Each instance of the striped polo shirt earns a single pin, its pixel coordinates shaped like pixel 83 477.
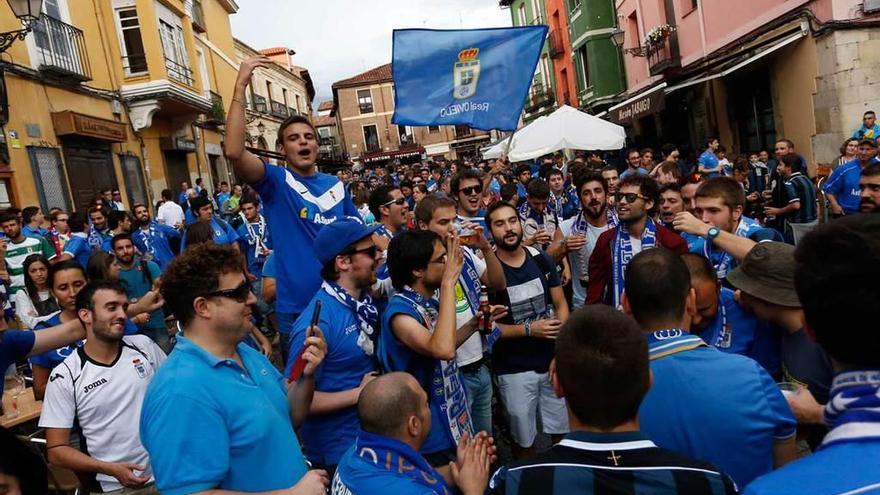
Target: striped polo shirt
pixel 16 254
pixel 600 463
pixel 798 187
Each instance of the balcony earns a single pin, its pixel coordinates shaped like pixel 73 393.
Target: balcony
pixel 539 97
pixel 556 43
pixel 61 50
pixel 217 116
pixel 664 55
pixel 538 20
pixel 198 17
pixel 462 131
pixel 292 111
pixel 259 104
pixel 178 72
pixel 365 107
pixel 327 141
pixel 277 109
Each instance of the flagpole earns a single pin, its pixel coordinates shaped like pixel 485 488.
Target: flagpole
pixel 509 142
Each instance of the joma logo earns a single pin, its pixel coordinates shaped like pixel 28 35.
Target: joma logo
pixel 94 385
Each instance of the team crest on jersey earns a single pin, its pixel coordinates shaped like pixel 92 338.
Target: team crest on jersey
pixel 139 367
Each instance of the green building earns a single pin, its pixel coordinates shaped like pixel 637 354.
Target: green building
pixel 598 64
pixel 541 99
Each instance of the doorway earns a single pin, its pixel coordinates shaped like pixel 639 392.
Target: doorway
pixel 176 170
pixel 90 169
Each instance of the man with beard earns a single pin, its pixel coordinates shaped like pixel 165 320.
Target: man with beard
pixel 562 200
pixel 298 200
pixel 119 222
pixel 722 322
pixel 98 232
pixel 582 231
pixel 689 186
pixel 138 277
pixel 522 356
pixel 389 207
pixel 842 187
pixel 869 190
pixel 636 232
pixel 17 247
pixel 100 388
pixel 671 203
pixel 540 223
pixel 633 164
pixel 350 323
pixel 152 238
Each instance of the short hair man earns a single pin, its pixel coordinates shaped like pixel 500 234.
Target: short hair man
pixel 59 231
pixel 32 219
pixel 118 222
pixel 467 190
pixel 601 369
pixel 869 190
pixel 221 232
pixel 689 186
pixel 77 247
pixel 217 389
pixel 99 232
pixel 751 429
pixel 540 222
pixel 633 164
pixel 671 204
pixel 152 238
pixel 828 260
pixel 522 356
pixel 718 229
pixel 612 179
pixel 708 162
pixel 170 213
pixel 801 210
pixel 842 186
pixel 395 419
pixel 563 197
pixel 18 247
pixel 636 232
pixel 583 230
pixel 869 128
pixel 138 277
pixel 116 199
pixel 100 388
pixel 389 207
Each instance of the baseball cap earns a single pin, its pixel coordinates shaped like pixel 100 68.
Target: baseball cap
pixel 767 272
pixel 335 237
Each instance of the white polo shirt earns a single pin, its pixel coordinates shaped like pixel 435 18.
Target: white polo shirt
pixel 105 400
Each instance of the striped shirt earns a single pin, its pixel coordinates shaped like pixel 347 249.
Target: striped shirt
pixel 606 463
pixel 16 254
pixel 798 187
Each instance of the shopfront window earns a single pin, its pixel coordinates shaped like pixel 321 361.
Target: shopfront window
pixel 49 177
pixel 133 178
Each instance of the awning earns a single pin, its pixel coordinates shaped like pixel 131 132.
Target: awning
pixel 645 103
pixel 740 63
pixel 388 155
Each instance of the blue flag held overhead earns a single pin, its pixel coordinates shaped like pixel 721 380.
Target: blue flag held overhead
pixel 476 77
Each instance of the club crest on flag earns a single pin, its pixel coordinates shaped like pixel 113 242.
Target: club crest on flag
pixel 466 73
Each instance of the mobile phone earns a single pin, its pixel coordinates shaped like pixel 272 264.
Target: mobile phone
pixel 300 364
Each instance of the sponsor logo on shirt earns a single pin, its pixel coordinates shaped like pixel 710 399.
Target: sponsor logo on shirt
pixel 139 367
pixel 92 386
pixel 55 377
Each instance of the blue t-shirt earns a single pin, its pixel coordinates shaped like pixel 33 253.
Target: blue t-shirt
pixel 401 358
pixel 327 436
pixel 717 407
pixel 240 437
pixel 222 198
pixel 630 171
pixel 248 246
pixel 54 357
pixel 745 334
pixel 14 345
pixel 78 247
pixel 181 198
pixel 221 233
pixel 155 241
pixel 707 160
pixel 358 475
pixel 27 231
pixel 269 270
pixel 844 185
pixel 867 133
pixel 137 283
pixel 296 209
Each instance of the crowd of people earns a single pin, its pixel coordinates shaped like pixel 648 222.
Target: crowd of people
pixel 470 326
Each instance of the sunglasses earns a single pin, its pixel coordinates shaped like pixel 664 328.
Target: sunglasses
pixel 472 190
pixel 629 197
pixel 369 251
pixel 398 202
pixel 239 293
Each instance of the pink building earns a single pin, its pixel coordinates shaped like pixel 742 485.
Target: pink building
pixel 749 72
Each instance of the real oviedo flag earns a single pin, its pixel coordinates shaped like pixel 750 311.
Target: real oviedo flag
pixel 477 77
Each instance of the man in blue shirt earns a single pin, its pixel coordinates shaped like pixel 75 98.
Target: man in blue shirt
pixel 838 315
pixel 298 200
pixel 719 407
pixel 350 324
pixel 221 231
pixel 77 247
pixel 218 414
pixel 708 162
pixel 152 238
pixel 138 276
pixel 869 128
pixel 254 239
pixel 800 209
pixel 842 187
pixel 32 222
pixel 634 164
pixel 183 196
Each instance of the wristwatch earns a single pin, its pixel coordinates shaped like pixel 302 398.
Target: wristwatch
pixel 712 234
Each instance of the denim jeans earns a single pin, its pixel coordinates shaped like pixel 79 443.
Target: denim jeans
pixel 479 390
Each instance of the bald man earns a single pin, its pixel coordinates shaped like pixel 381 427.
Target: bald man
pixel 395 420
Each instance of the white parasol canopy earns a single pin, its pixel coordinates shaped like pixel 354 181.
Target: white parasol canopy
pixel 566 128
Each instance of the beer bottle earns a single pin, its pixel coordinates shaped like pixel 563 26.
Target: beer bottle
pixel 485 311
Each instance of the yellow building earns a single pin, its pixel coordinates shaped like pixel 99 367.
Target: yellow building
pixel 115 93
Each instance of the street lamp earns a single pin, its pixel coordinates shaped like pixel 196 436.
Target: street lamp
pixel 27 11
pixel 617 37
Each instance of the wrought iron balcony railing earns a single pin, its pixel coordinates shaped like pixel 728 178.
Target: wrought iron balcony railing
pixel 178 72
pixel 61 49
pixel 278 109
pixel 259 104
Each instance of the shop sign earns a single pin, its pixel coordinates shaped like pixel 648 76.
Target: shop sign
pixel 72 123
pixel 646 105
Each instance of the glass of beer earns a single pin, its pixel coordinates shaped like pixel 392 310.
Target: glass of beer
pixel 468 236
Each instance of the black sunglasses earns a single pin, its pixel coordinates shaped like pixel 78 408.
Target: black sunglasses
pixel 398 202
pixel 239 293
pixel 629 197
pixel 472 190
pixel 369 251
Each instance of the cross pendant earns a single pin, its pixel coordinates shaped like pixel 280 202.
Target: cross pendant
pixel 614 458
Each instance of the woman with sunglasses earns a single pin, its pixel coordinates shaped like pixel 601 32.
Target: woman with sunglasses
pixel 35 300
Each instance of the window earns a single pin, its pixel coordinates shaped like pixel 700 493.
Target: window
pixel 576 4
pixel 522 15
pixel 171 34
pixel 284 96
pixel 545 69
pixel 584 66
pixel 269 90
pixel 365 101
pixel 371 138
pixel 405 133
pixel 433 128
pixel 537 17
pixel 324 132
pixel 49 177
pixel 133 178
pixel 134 58
pixel 298 106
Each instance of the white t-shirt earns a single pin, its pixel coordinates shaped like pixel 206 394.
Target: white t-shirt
pixel 575 259
pixel 105 401
pixel 170 213
pixel 471 350
pixel 24 307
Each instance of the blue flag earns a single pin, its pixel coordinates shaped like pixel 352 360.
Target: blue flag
pixel 476 77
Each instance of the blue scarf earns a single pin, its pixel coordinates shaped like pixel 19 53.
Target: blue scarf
pixel 534 221
pixel 470 283
pixel 622 252
pixel 447 387
pixel 853 409
pixel 580 226
pixel 721 260
pixel 392 455
pixel 382 231
pixel 95 239
pixel 366 313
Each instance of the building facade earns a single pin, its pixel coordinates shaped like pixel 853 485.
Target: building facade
pixel 541 99
pixel 122 93
pixel 275 93
pixel 328 134
pixel 597 63
pixel 749 72
pixel 364 105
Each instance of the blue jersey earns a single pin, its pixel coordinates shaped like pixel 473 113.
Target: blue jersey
pixel 707 160
pixel 863 132
pixel 78 247
pixel 296 209
pixel 327 436
pixel 155 242
pixel 357 474
pixel 248 244
pixel 221 233
pixel 844 185
pixel 53 357
pixel 138 282
pixel 29 232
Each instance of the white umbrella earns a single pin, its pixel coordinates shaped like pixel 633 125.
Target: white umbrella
pixel 496 150
pixel 566 128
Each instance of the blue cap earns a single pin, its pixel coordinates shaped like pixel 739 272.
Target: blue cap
pixel 332 239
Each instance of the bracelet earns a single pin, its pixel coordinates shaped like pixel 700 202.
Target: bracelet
pixel 528 328
pixel 236 99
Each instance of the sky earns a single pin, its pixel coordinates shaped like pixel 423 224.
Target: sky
pixel 338 39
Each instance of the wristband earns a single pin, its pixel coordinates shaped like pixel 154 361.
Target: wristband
pixel 528 328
